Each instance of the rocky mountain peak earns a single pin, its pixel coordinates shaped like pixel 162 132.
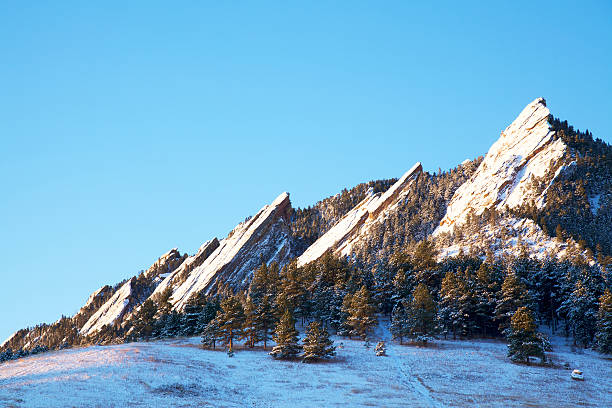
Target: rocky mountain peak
pixel 527 151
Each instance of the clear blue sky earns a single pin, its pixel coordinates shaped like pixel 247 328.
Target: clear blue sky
pixel 131 128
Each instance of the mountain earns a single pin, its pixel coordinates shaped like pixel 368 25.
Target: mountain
pixel 517 200
pixel 543 190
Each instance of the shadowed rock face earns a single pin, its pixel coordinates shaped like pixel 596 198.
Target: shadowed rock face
pixel 525 150
pixel 357 223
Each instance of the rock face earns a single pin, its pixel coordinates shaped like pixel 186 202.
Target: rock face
pixel 358 222
pixel 264 237
pixel 180 274
pixel 131 293
pixel 110 311
pixel 526 151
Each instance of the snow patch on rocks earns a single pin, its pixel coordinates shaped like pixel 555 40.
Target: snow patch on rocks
pixel 509 237
pixel 595 203
pixel 179 275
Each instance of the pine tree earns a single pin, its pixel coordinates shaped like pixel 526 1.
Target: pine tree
pixel 523 340
pixel 265 319
pixel 322 300
pixel 286 338
pixel 259 284
pixel 362 313
pixel 231 321
pixel 163 301
pixel 421 315
pixel 424 257
pixel 343 327
pixel 449 312
pixel 211 335
pixel 170 325
pixel 292 293
pixel 485 288
pixel 208 313
pixel 604 323
pixel 317 344
pixel 383 289
pixel 513 295
pixel 144 320
pixel 582 315
pixel 251 330
pixel 401 286
pixel 399 321
pixel 191 314
pixel 425 264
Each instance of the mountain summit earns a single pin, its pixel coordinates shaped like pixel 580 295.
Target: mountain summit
pixel 526 151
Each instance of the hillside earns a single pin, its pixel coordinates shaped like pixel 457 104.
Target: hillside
pixel 454 373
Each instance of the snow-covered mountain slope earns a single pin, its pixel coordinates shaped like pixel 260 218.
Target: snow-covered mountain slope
pixel 127 296
pixel 266 236
pixel 525 152
pixel 357 223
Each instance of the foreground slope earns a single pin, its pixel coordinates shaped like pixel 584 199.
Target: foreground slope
pixel 450 373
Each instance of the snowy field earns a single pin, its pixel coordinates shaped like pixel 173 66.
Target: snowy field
pixel 177 373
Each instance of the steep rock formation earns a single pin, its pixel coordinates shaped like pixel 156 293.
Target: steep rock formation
pixel 358 222
pixel 264 237
pixel 526 151
pixel 131 293
pixel 180 274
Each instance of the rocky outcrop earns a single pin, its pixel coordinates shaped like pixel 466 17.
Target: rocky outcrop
pixel 357 223
pixel 180 274
pixel 264 237
pixel 526 152
pixel 110 311
pixel 131 293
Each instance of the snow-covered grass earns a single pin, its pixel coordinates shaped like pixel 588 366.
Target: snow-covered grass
pixel 177 373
